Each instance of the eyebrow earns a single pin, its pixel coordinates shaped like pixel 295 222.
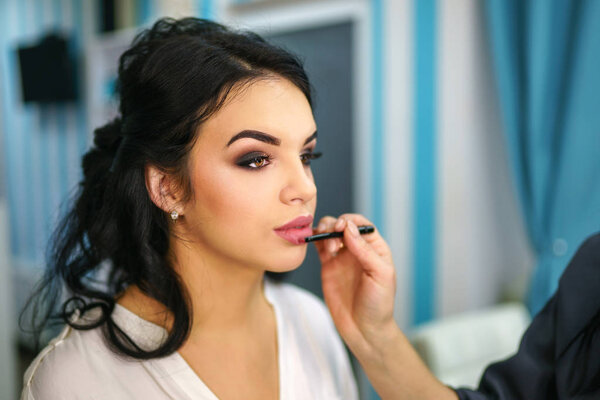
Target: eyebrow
pixel 263 137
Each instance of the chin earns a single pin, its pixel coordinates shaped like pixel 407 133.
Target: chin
pixel 288 261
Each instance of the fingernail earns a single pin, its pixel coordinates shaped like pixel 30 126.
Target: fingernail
pixel 321 227
pixel 353 229
pixel 339 225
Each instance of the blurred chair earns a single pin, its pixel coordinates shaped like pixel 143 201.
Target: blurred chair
pixel 458 348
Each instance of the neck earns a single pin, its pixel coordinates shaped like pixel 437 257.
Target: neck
pixel 225 296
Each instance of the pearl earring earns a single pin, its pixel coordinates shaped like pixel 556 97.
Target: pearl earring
pixel 174 215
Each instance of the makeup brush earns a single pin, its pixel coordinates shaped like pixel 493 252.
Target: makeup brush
pixel 328 235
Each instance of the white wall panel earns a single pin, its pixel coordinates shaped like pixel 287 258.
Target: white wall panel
pixel 482 246
pixel 398 153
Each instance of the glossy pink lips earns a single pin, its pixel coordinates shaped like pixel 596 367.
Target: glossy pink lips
pixel 296 230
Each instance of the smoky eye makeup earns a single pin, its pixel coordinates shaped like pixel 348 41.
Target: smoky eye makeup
pixel 253 160
pixel 256 160
pixel 309 155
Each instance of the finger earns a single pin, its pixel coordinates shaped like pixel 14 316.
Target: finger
pixel 326 224
pixel 335 244
pixel 340 224
pixel 370 261
pixel 374 239
pixel 330 224
pixel 358 219
pixel 324 254
pixel 329 248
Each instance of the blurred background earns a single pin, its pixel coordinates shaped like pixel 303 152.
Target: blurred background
pixel 467 130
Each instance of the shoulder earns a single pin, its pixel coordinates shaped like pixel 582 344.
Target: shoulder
pixel 577 299
pixel 65 364
pixel 79 364
pixel 583 269
pixel 593 240
pixel 589 251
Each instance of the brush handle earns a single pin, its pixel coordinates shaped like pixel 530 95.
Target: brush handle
pixel 328 235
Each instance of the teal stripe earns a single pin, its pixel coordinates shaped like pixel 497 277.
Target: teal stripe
pixel 8 89
pixel 377 118
pixel 60 162
pixel 40 159
pixel 37 115
pixel 45 137
pixel 63 158
pixel 145 10
pixel 62 135
pixel 424 226
pixel 29 218
pixel 44 198
pixel 81 123
pixel 24 148
pixel 39 17
pixel 56 13
pixel 207 9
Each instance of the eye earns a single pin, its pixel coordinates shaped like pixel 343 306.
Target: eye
pixel 307 157
pixel 254 161
pixel 258 162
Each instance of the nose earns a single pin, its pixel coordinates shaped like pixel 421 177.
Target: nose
pixel 299 184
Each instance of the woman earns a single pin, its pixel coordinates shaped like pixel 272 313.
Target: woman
pixel 201 185
pixel 559 354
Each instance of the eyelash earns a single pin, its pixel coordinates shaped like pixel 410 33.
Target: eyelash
pixel 255 158
pixel 309 156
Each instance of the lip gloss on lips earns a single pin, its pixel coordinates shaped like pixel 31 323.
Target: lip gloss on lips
pixel 296 230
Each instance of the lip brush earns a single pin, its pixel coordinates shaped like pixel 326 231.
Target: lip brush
pixel 328 235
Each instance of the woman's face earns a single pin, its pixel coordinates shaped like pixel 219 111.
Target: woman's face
pixel 250 175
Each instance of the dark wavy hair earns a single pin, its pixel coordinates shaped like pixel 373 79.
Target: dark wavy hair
pixel 174 76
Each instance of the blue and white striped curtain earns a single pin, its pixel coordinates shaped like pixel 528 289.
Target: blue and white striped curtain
pixel 42 144
pixel 503 136
pixel 546 56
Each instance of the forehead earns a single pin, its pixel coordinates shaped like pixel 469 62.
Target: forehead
pixel 274 105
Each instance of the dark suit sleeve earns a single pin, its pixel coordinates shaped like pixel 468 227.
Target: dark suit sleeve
pixel 559 354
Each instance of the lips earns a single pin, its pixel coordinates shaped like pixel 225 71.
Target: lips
pixel 296 230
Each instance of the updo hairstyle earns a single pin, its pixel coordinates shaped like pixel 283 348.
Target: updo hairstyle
pixel 173 77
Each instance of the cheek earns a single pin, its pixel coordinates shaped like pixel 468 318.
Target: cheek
pixel 233 199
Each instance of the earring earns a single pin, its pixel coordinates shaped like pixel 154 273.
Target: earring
pixel 174 215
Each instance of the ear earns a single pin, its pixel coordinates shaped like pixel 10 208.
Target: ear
pixel 162 190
